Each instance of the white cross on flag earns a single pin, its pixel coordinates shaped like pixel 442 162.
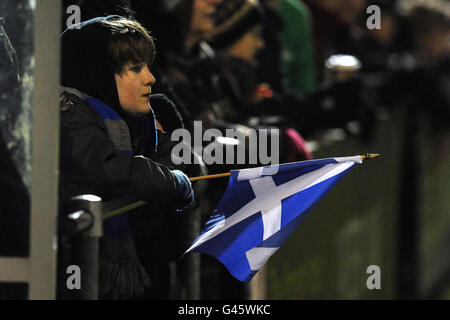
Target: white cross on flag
pixel 260 209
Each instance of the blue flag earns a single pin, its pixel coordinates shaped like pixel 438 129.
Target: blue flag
pixel 260 209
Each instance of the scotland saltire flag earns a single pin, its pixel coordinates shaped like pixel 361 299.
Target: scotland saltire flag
pixel 260 209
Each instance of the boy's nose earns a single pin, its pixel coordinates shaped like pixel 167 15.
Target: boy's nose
pixel 149 78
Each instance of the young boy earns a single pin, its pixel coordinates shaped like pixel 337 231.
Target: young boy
pixel 112 143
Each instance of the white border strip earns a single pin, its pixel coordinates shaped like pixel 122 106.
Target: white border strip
pixel 14 270
pixel 45 152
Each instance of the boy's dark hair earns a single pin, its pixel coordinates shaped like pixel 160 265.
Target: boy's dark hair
pixel 96 50
pixel 129 42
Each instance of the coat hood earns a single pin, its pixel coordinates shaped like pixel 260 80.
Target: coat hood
pixel 86 63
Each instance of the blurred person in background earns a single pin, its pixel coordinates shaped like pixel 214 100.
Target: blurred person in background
pixel 325 21
pixel 238 39
pixel 296 43
pixel 351 14
pixel 432 42
pixel 431 29
pixel 331 105
pixel 419 67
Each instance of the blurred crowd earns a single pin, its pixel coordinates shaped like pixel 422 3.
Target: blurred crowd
pixel 286 63
pixel 300 66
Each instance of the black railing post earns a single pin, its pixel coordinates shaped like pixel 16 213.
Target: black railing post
pixel 85 224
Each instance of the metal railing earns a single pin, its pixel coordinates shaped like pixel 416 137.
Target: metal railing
pixel 83 225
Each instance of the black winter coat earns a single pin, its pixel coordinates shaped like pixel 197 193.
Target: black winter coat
pixel 89 163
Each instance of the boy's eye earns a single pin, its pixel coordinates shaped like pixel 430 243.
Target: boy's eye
pixel 136 69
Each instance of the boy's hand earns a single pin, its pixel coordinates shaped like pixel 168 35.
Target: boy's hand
pixel 187 193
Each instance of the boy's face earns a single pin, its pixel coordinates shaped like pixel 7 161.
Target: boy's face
pixel 134 88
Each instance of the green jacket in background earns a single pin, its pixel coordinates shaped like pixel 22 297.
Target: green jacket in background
pixel 297 56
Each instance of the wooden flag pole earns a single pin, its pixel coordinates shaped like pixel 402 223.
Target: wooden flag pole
pixel 213 176
pixel 367 156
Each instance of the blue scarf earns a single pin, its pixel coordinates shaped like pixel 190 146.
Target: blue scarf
pixel 121 274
